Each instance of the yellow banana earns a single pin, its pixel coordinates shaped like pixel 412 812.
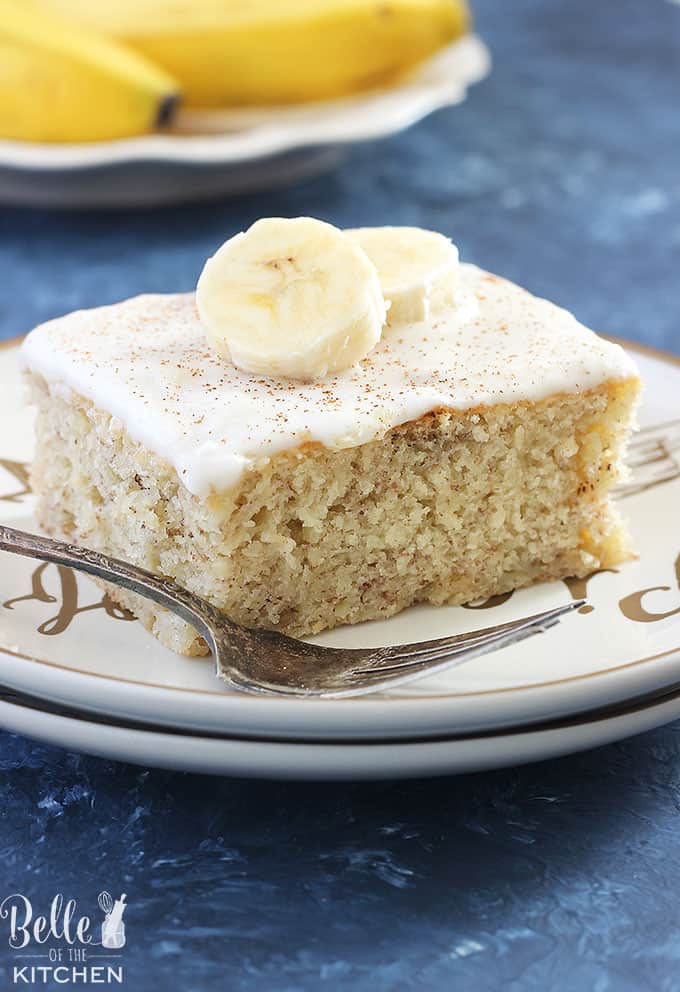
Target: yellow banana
pixel 60 83
pixel 232 52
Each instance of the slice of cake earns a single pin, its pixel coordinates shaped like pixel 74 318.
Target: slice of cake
pixel 469 453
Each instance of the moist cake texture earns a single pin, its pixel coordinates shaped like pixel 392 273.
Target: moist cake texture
pixel 463 457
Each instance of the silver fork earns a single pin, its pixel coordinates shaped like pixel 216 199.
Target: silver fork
pixel 264 661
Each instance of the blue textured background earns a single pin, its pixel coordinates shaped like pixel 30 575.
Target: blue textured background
pixel 561 171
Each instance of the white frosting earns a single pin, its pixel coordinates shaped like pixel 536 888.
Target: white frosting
pixel 147 362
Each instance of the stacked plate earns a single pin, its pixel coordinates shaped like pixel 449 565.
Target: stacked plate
pixel 75 672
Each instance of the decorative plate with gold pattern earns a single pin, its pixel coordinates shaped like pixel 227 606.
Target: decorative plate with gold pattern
pixel 74 668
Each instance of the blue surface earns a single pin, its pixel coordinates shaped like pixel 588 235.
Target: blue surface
pixel 562 172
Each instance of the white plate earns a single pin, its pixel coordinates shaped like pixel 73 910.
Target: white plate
pixel 58 642
pixel 230 152
pixel 222 755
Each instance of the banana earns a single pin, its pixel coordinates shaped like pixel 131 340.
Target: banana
pixel 294 298
pixel 236 52
pixel 60 83
pixel 418 269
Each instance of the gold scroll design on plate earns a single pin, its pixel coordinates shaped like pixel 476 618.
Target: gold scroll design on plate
pixel 19 472
pixel 68 605
pixel 632 606
pixel 577 587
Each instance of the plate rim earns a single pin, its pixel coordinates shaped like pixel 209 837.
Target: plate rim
pixel 318 761
pixel 596 714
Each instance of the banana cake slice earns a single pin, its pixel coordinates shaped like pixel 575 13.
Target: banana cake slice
pixel 467 454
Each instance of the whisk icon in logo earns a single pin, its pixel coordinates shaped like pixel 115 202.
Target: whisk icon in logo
pixel 113 928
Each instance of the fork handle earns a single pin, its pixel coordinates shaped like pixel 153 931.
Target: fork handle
pixel 163 591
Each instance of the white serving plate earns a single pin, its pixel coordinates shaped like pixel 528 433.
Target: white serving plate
pixel 59 645
pixel 216 153
pixel 324 760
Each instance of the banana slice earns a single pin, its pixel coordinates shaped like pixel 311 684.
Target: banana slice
pixel 293 298
pixel 418 269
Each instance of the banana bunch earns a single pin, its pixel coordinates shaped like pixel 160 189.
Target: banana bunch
pixel 61 83
pixel 234 52
pixel 78 71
